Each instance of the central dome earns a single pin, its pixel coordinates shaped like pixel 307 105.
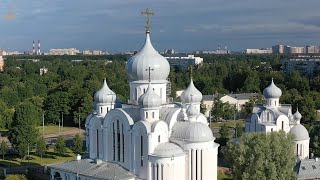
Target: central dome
pixel 300 132
pixel 148 57
pixel 193 132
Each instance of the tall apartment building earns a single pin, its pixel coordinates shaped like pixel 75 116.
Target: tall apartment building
pixel 310 49
pixel 306 67
pixel 278 49
pixel 184 62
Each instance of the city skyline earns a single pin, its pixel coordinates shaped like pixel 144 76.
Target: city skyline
pixel 118 26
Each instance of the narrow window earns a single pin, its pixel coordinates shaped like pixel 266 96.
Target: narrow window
pixel 100 109
pixel 152 114
pixel 122 143
pixel 191 163
pixel 271 129
pixel 282 125
pixel 196 164
pixel 141 150
pixel 118 140
pixel 144 90
pixel 97 143
pixel 275 103
pixel 146 115
pixel 297 149
pixel 157 172
pixel 267 116
pixel 162 171
pixel 107 109
pixel 114 141
pixel 201 165
pixel 159 138
pixel 153 172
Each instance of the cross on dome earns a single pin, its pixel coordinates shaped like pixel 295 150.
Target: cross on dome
pixel 148 14
pixel 149 69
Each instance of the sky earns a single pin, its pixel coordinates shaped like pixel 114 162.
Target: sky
pixel 184 25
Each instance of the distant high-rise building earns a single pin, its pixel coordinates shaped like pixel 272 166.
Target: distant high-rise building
pixel 312 49
pixel 69 51
pixel 184 62
pixel 278 49
pixel 259 51
pixel 1 61
pixel 297 50
pixel 306 67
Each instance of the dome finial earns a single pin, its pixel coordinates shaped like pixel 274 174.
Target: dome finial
pixel 148 14
pixel 191 73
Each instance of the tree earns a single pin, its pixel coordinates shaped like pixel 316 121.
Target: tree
pixel 315 140
pixel 203 107
pixel 222 110
pixel 3 148
pixel 238 130
pixel 60 147
pixel 262 156
pixel 77 144
pixel 16 177
pixel 224 135
pixel 41 147
pixel 23 133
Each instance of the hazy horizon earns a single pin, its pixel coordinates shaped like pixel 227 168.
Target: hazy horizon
pixel 183 25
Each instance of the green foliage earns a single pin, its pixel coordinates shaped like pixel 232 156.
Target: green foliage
pixel 224 135
pixel 3 148
pixel 262 156
pixel 77 144
pixel 16 177
pixel 315 140
pixel 203 107
pixel 247 108
pixel 41 147
pixel 60 148
pixel 239 130
pixel 222 110
pixel 23 134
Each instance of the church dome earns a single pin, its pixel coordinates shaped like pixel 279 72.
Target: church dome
pixel 192 132
pixel 145 58
pixel 191 94
pixel 105 95
pixel 272 91
pixel 167 150
pixel 192 111
pixel 300 132
pixel 297 115
pixel 149 99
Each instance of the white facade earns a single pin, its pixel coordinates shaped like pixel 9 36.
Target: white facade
pixel 259 51
pixel 69 51
pixel 273 116
pixel 149 137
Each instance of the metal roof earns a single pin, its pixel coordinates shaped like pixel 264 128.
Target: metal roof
pixel 89 168
pixel 309 169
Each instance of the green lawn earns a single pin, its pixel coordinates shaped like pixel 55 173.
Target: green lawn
pixel 230 123
pixel 224 177
pixel 49 158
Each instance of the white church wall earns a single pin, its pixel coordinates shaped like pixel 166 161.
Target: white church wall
pixel 302 149
pixel 283 123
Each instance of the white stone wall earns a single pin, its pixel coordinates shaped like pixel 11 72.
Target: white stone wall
pixel 137 89
pixel 302 149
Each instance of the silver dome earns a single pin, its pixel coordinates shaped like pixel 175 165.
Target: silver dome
pixel 167 150
pixel 300 132
pixel 150 99
pixel 192 111
pixel 272 91
pixel 192 132
pixel 297 115
pixel 191 94
pixel 105 95
pixel 148 57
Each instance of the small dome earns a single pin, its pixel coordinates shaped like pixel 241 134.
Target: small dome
pixel 192 132
pixel 105 95
pixel 272 91
pixel 297 115
pixel 300 132
pixel 192 111
pixel 167 150
pixel 149 99
pixel 148 57
pixel 191 94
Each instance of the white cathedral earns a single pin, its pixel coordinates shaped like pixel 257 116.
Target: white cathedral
pixel 274 116
pixel 147 138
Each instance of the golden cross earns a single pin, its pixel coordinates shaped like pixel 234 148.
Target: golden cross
pixel 147 13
